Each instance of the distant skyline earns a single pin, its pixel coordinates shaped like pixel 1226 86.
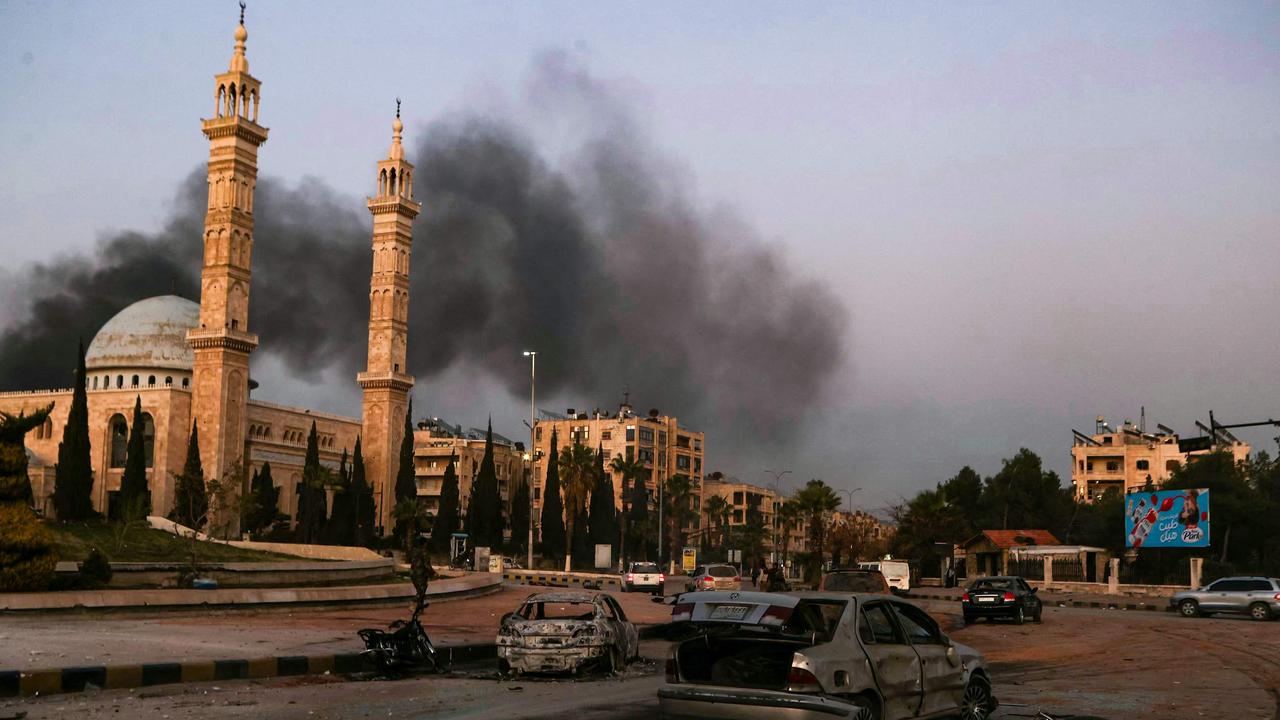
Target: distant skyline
pixel 1031 213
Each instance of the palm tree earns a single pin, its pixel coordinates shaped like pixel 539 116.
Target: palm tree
pixel 789 517
pixel 577 475
pixel 815 501
pixel 717 510
pixel 679 498
pixel 632 474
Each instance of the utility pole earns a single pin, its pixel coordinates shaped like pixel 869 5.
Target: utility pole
pixel 533 421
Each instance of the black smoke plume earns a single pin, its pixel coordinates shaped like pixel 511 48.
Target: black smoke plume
pixel 602 264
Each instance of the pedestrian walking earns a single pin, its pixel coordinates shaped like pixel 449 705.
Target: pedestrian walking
pixel 755 575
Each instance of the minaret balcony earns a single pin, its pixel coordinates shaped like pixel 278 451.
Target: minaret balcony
pixel 392 380
pixel 232 339
pixel 394 203
pixel 234 125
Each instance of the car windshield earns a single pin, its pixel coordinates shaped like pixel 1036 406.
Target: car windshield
pixel 644 568
pixel 557 611
pixel 994 584
pixel 722 571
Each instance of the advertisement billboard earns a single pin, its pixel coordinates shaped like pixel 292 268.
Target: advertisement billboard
pixel 1167 519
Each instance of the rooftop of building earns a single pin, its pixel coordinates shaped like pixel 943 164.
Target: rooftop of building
pixel 1007 539
pixel 150 333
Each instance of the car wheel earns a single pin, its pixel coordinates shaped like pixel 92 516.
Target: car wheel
pixel 1259 611
pixel 1039 616
pixel 976 702
pixel 1189 608
pixel 1020 616
pixel 870 705
pixel 969 619
pixel 624 588
pixel 613 663
pixel 504 667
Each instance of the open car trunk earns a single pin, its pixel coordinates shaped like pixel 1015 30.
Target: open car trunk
pixel 738 659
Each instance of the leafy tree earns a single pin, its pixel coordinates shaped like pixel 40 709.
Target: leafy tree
pixel 312 503
pixel 484 511
pixel 816 500
pixel 406 485
pixel 602 519
pixel 135 496
pixel 717 510
pixel 750 536
pixel 73 476
pixel 447 521
pixel 364 508
pixel 552 520
pixel 28 555
pixel 925 520
pixel 789 518
pixel 1025 496
pixel 190 501
pixel 264 502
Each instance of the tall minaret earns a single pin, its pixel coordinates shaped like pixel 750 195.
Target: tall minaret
pixel 385 382
pixel 223 342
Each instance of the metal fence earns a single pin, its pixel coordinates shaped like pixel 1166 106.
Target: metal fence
pixel 1028 567
pixel 1068 568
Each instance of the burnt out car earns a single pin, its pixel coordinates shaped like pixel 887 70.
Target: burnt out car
pixel 566 632
pixel 818 655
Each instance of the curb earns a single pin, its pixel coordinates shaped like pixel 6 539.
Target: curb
pixel 554 579
pixel 27 683
pixel 1093 604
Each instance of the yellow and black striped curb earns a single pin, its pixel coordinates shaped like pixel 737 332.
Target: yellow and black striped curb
pixel 25 683
pixel 1162 606
pixel 565 580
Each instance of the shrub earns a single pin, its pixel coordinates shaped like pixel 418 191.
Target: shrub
pixel 27 556
pixel 95 570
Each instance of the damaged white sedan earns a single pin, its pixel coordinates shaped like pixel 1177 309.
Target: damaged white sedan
pixel 566 632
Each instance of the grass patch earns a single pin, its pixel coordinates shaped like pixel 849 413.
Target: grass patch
pixel 145 544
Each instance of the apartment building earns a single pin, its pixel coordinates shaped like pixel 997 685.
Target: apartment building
pixel 435 441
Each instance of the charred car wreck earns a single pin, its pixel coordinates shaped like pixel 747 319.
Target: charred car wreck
pixel 566 632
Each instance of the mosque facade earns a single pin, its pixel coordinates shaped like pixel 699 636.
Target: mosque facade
pixel 188 363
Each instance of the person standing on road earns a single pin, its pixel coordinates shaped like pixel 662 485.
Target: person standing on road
pixel 755 575
pixel 420 572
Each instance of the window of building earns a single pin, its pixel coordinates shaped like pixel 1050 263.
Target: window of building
pixel 1090 466
pixel 606 435
pixel 186 382
pixel 1113 466
pixel 646 435
pixel 149 438
pixel 682 462
pixel 737 516
pixel 95 382
pixel 1106 440
pixel 168 380
pixel 737 497
pixel 646 455
pixel 662 437
pixel 537 493
pixel 118 430
pixel 151 381
pixel 537 434
pixel 697 466
pixel 631 433
pixel 631 453
pixel 135 381
pixel 682 441
pixel 1143 465
pixel 1081 466
pixel 119 381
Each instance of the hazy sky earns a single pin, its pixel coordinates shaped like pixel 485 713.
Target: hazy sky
pixel 1033 213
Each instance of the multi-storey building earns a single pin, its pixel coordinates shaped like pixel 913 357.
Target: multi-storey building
pixel 739 498
pixel 1128 458
pixel 656 441
pixel 436 442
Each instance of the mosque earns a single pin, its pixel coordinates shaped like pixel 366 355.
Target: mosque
pixel 188 363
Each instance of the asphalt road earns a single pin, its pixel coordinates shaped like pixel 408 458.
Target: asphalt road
pixel 1111 664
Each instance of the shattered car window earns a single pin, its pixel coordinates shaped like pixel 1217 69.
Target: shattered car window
pixel 557 611
pixel 819 617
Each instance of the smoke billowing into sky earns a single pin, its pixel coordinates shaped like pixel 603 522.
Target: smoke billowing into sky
pixel 601 263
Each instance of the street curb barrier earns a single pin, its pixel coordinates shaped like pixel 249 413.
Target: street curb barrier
pixel 586 581
pixel 28 683
pixel 1093 604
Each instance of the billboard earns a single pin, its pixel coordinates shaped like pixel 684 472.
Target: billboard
pixel 1167 519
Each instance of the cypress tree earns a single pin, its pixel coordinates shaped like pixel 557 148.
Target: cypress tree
pixel 406 486
pixel 552 520
pixel 73 477
pixel 485 510
pixel 135 496
pixel 447 521
pixel 340 528
pixel 583 553
pixel 602 522
pixel 190 503
pixel 264 501
pixel 520 518
pixel 312 507
pixel 363 511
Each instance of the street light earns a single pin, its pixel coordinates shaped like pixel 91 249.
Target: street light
pixel 849 494
pixel 533 420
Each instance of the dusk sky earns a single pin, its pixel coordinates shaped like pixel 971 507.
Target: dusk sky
pixel 1032 213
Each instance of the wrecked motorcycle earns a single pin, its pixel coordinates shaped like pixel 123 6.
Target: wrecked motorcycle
pixel 403 650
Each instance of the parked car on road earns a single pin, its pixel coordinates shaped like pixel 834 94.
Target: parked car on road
pixel 859 581
pixel 812 655
pixel 644 576
pixel 1259 597
pixel 565 632
pixel 1010 597
pixel 714 577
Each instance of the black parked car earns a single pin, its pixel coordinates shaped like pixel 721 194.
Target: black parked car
pixel 1009 597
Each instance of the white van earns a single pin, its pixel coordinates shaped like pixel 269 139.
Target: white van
pixel 896 572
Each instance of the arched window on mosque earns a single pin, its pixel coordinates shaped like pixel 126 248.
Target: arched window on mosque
pixel 186 382
pixel 151 381
pixel 95 382
pixel 168 380
pixel 119 381
pixel 149 438
pixel 118 431
pixel 135 381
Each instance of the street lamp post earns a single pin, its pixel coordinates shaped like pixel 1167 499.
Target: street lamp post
pixel 533 421
pixel 776 485
pixel 849 494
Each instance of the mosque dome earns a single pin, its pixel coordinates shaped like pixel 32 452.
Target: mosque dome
pixel 149 334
